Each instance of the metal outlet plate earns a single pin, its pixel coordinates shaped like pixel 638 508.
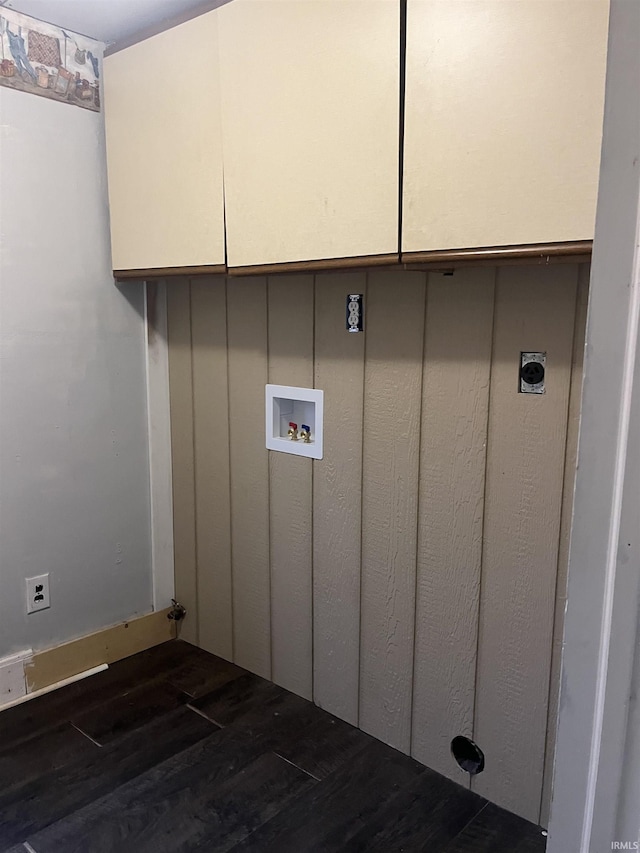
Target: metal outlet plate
pixel 532 372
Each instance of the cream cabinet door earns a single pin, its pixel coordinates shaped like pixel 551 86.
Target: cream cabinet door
pixel 164 149
pixel 504 110
pixel 310 103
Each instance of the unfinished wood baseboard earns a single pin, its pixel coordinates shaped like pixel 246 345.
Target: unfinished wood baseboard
pixel 107 646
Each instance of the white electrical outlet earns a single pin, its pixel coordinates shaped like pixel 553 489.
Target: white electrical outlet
pixel 38 593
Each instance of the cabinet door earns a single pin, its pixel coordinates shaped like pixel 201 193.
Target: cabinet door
pixel 164 150
pixel 310 102
pixel 504 108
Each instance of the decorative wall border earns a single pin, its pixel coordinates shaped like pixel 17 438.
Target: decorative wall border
pixel 46 60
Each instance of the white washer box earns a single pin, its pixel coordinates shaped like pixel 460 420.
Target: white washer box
pixel 285 403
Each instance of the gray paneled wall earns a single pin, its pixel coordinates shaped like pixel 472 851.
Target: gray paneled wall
pixel 407 582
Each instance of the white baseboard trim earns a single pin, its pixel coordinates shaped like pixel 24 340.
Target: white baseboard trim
pixel 81 675
pixel 13 684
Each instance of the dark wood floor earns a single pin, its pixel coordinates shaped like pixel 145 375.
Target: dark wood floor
pixel 176 750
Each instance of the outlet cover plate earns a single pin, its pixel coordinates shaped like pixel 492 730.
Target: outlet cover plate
pixel 38 593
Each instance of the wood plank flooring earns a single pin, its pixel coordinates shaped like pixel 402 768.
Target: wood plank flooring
pixel 175 749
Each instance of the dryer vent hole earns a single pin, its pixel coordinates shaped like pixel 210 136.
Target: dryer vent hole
pixel 468 755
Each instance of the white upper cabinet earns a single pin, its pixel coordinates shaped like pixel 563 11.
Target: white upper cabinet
pixel 164 150
pixel 504 110
pixel 297 102
pixel 310 105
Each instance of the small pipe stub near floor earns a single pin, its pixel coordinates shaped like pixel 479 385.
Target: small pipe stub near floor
pixel 177 612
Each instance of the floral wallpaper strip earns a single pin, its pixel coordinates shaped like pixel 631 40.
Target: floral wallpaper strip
pixel 45 60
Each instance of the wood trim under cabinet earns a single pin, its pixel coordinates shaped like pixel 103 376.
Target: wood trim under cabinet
pixel 168 272
pixel 578 251
pixel 361 262
pixel 532 253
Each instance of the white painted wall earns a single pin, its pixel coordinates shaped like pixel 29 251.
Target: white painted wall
pixel 74 471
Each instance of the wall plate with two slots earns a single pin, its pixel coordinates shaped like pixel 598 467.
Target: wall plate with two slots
pixel 38 593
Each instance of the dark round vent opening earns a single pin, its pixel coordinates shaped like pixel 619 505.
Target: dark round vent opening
pixel 468 755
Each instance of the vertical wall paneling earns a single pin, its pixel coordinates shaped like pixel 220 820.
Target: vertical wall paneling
pixel 159 426
pixel 211 440
pixel 455 394
pixel 249 465
pixel 337 498
pixel 290 492
pixel 181 385
pixel 525 467
pixel 392 405
pixel 413 580
pixel 573 425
